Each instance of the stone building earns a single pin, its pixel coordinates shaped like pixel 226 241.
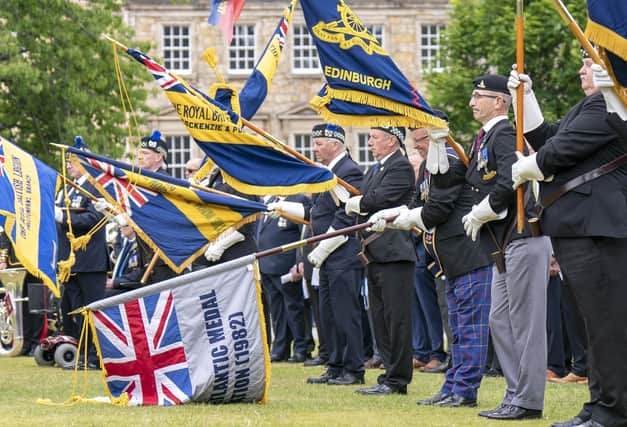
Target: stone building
pixel 179 34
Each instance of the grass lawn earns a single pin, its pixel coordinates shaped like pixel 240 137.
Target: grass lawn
pixel 292 403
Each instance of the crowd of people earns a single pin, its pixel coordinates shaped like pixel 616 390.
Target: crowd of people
pixel 441 280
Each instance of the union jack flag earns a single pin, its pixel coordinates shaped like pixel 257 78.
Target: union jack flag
pixel 121 188
pixel 142 351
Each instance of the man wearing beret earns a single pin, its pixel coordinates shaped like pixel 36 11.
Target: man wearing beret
pixel 153 153
pixel 341 272
pixel 521 271
pixel 390 256
pixel 583 193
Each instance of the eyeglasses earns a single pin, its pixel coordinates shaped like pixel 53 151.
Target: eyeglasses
pixel 190 170
pixel 480 95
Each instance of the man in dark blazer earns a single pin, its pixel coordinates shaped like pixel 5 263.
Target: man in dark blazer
pixel 518 311
pixel 341 272
pixel 391 256
pixel 89 272
pixel 467 267
pixel 586 217
pixel 282 292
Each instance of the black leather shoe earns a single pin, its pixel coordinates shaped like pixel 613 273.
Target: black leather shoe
pixel 591 423
pixel 492 411
pixel 439 369
pixel 316 361
pixel 322 379
pixel 297 358
pixel 513 412
pixel 433 400
pixel 456 401
pixel 276 358
pixel 575 421
pixel 347 379
pixel 381 389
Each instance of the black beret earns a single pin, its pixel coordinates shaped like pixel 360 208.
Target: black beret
pixel 491 82
pixel 398 132
pixel 155 143
pixel 326 130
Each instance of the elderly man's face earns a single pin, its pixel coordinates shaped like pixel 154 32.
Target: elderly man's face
pixel 150 160
pixel 585 74
pixel 381 143
pixel 483 104
pixel 420 138
pixel 324 149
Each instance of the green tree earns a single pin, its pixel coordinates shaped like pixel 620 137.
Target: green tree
pixel 57 76
pixel 480 38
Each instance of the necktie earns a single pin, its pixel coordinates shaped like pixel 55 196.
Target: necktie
pixel 376 167
pixel 479 139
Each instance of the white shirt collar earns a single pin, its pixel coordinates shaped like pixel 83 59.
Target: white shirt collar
pixel 335 161
pixel 383 160
pixel 493 121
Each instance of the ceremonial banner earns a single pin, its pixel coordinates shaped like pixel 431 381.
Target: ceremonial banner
pixel 194 338
pixel 173 219
pixel 225 13
pixel 607 28
pixel 248 163
pixel 27 193
pixel 364 86
pixel 256 88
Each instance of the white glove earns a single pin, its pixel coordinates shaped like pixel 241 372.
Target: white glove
pixel 290 208
pixel 121 220
pixel 479 215
pixel 379 221
pixel 339 194
pixel 226 240
pixel 111 232
pixel 325 248
pixel 532 115
pixel 604 82
pixel 102 206
pixel 437 158
pixel 352 205
pixel 58 214
pixel 526 169
pixel 408 219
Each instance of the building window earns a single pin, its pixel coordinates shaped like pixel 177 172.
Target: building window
pixel 302 144
pixel 304 53
pixel 179 152
pixel 377 31
pixel 430 46
pixel 177 48
pixel 242 49
pixel 364 156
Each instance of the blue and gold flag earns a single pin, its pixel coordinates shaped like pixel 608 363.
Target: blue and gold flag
pixel 27 191
pixel 364 85
pixel 607 28
pixel 248 163
pixel 256 88
pixel 171 217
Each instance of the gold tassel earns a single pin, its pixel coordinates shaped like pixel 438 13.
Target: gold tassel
pixel 80 243
pixel 211 57
pixel 65 268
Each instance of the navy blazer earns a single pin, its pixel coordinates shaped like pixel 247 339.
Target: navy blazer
pixel 325 214
pixel 393 185
pixel 276 232
pixel 95 257
pixel 580 142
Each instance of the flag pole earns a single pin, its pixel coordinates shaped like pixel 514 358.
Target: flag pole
pixel 520 140
pixel 458 150
pixel 263 133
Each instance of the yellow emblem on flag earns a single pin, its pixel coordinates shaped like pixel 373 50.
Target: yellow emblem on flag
pixel 348 25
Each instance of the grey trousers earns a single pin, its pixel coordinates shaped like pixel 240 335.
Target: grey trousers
pixel 518 320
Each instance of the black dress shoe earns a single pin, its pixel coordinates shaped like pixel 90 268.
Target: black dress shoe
pixel 322 379
pixel 492 411
pixel 381 389
pixel 316 361
pixel 297 358
pixel 347 379
pixel 433 400
pixel 513 412
pixel 456 401
pixel 575 421
pixel 591 423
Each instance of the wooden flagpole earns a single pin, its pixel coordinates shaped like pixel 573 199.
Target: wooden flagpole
pixel 520 139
